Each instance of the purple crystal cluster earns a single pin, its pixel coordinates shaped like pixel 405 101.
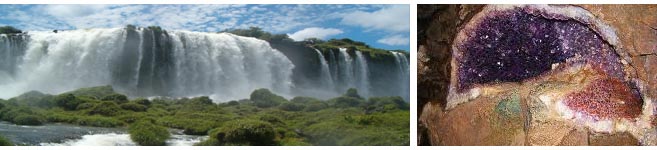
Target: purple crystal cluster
pixel 512 45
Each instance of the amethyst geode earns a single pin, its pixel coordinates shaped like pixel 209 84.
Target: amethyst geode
pixel 520 43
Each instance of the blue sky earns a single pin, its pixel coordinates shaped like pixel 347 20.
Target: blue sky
pixel 381 26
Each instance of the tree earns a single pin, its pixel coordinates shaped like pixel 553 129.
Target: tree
pixel 9 30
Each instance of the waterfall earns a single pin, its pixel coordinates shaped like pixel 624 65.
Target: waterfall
pixel 333 66
pixel 345 69
pixel 403 73
pixel 363 75
pixel 11 47
pixel 144 62
pixel 327 79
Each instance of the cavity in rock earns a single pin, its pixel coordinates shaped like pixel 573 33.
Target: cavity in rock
pixel 512 45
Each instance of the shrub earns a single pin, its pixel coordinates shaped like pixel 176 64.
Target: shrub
pixel 288 106
pixel 132 117
pixel 25 119
pixel 200 129
pixel 203 100
pixel 97 121
pixel 352 92
pixel 146 133
pixel 143 101
pixel 382 104
pixel 35 99
pixel 94 92
pixel 106 108
pixel 10 113
pixel 303 100
pixel 244 132
pixel 118 98
pixel 85 106
pixel 231 103
pixel 5 142
pixel 133 107
pixel 345 102
pixel 189 125
pixel 68 101
pixel 316 106
pixel 271 119
pixel 263 98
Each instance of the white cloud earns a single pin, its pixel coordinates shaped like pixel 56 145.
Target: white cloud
pixel 212 18
pixel 394 40
pixel 314 32
pixel 72 10
pixel 393 18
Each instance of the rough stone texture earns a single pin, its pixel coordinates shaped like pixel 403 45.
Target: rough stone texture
pixel 637 31
pixel 617 139
pixel 477 122
pixel 488 121
pixel 436 28
pixel 548 133
pixel 576 137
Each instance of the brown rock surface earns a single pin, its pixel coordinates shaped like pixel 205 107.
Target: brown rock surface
pixel 548 133
pixel 617 139
pixel 576 137
pixel 477 123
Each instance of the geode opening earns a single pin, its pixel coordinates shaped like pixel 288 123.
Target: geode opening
pixel 516 44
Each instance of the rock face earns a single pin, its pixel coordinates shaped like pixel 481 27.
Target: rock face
pixel 531 75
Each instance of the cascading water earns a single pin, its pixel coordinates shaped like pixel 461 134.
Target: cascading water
pixel 363 74
pixel 345 68
pixel 144 62
pixel 11 46
pixel 325 76
pixel 154 62
pixel 333 66
pixel 404 76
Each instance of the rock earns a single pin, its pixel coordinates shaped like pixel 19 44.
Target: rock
pixel 548 133
pixel 637 32
pixel 551 106
pixel 576 137
pixel 650 67
pixel 617 139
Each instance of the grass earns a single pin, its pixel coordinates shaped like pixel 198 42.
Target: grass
pixel 5 142
pixel 263 119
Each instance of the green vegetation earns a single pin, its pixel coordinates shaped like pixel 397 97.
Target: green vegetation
pixel 263 119
pixel 263 98
pixel 257 32
pixel 243 132
pixel 332 44
pixel 24 119
pixel 9 30
pixel 5 142
pixel 146 133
